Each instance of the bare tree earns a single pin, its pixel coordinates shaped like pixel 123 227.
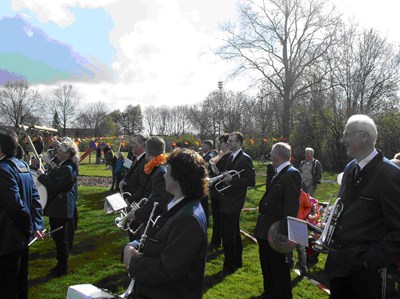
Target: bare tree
pixel 19 103
pixel 150 115
pixel 92 117
pixel 281 40
pixel 65 102
pixel 366 70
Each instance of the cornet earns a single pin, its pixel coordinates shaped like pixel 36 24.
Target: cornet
pixel 217 180
pixel 126 218
pixel 323 243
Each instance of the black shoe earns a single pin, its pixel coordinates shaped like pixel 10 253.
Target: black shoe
pixel 213 248
pixel 303 272
pixel 59 270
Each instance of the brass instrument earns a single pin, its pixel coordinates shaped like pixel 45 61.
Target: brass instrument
pixel 332 216
pixel 125 218
pixel 217 180
pixel 41 188
pixel 138 245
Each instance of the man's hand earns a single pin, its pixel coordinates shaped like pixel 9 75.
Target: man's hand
pixel 129 252
pixel 40 234
pixel 227 178
pixel 283 238
pixel 121 185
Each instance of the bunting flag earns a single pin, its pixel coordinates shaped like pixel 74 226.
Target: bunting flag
pixel 249 236
pixel 314 282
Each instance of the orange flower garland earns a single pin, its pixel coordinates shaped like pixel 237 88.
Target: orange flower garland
pixel 157 161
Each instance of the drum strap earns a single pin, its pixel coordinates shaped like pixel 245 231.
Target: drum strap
pixel 18 167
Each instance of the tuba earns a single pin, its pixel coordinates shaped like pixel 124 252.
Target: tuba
pixel 329 223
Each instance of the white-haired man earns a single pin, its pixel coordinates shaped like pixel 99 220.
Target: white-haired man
pixel 366 239
pixel 281 199
pixel 311 171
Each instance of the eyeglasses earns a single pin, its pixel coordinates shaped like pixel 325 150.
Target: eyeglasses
pixel 346 134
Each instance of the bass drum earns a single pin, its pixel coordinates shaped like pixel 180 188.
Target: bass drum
pixel 41 189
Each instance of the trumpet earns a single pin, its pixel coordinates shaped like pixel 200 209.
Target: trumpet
pixel 126 218
pixel 333 213
pixel 217 180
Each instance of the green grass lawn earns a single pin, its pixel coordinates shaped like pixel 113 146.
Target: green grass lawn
pixel 95 258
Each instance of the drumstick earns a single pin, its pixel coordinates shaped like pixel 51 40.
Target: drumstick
pixel 45 236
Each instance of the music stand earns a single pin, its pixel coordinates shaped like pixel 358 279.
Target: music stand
pixel 114 203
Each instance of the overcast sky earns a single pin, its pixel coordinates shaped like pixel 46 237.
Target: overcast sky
pixel 148 52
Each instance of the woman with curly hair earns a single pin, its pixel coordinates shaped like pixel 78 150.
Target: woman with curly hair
pixel 172 262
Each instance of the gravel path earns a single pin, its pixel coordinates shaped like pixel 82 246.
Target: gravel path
pixel 94 181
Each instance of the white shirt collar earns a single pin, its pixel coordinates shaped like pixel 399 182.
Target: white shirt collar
pixel 138 157
pixel 174 202
pixel 282 166
pixel 368 159
pixel 234 154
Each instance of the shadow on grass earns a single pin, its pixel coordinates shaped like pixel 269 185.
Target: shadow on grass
pixel 112 283
pixel 212 280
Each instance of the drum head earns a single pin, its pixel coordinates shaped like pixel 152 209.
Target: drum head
pixel 275 243
pixel 41 189
pixel 339 178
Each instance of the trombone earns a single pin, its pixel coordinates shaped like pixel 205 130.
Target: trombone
pixel 217 180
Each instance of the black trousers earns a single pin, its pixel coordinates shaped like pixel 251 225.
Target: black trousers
pixel 364 284
pixel 216 216
pixel 62 237
pixel 14 275
pixel 231 241
pixel 275 268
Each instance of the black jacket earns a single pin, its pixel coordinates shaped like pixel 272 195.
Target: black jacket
pixel 368 232
pixel 281 199
pixel 232 199
pixel 62 189
pixel 174 255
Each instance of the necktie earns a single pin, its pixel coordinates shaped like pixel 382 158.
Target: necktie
pixel 230 159
pixel 357 171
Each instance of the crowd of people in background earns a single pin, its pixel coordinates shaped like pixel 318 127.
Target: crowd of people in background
pixel 169 198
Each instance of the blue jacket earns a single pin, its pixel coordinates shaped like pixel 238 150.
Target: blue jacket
pixel 20 209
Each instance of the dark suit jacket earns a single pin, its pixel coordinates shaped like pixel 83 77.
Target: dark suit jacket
pixel 174 255
pixel 232 199
pixel 61 185
pixel 368 232
pixel 281 199
pixel 155 192
pixel 137 181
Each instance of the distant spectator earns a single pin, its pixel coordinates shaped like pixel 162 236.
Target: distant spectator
pixel 311 172
pixel 119 170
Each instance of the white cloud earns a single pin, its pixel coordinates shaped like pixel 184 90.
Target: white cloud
pixel 58 11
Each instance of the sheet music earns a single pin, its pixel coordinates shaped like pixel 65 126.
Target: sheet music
pixel 297 231
pixel 113 203
pixel 127 163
